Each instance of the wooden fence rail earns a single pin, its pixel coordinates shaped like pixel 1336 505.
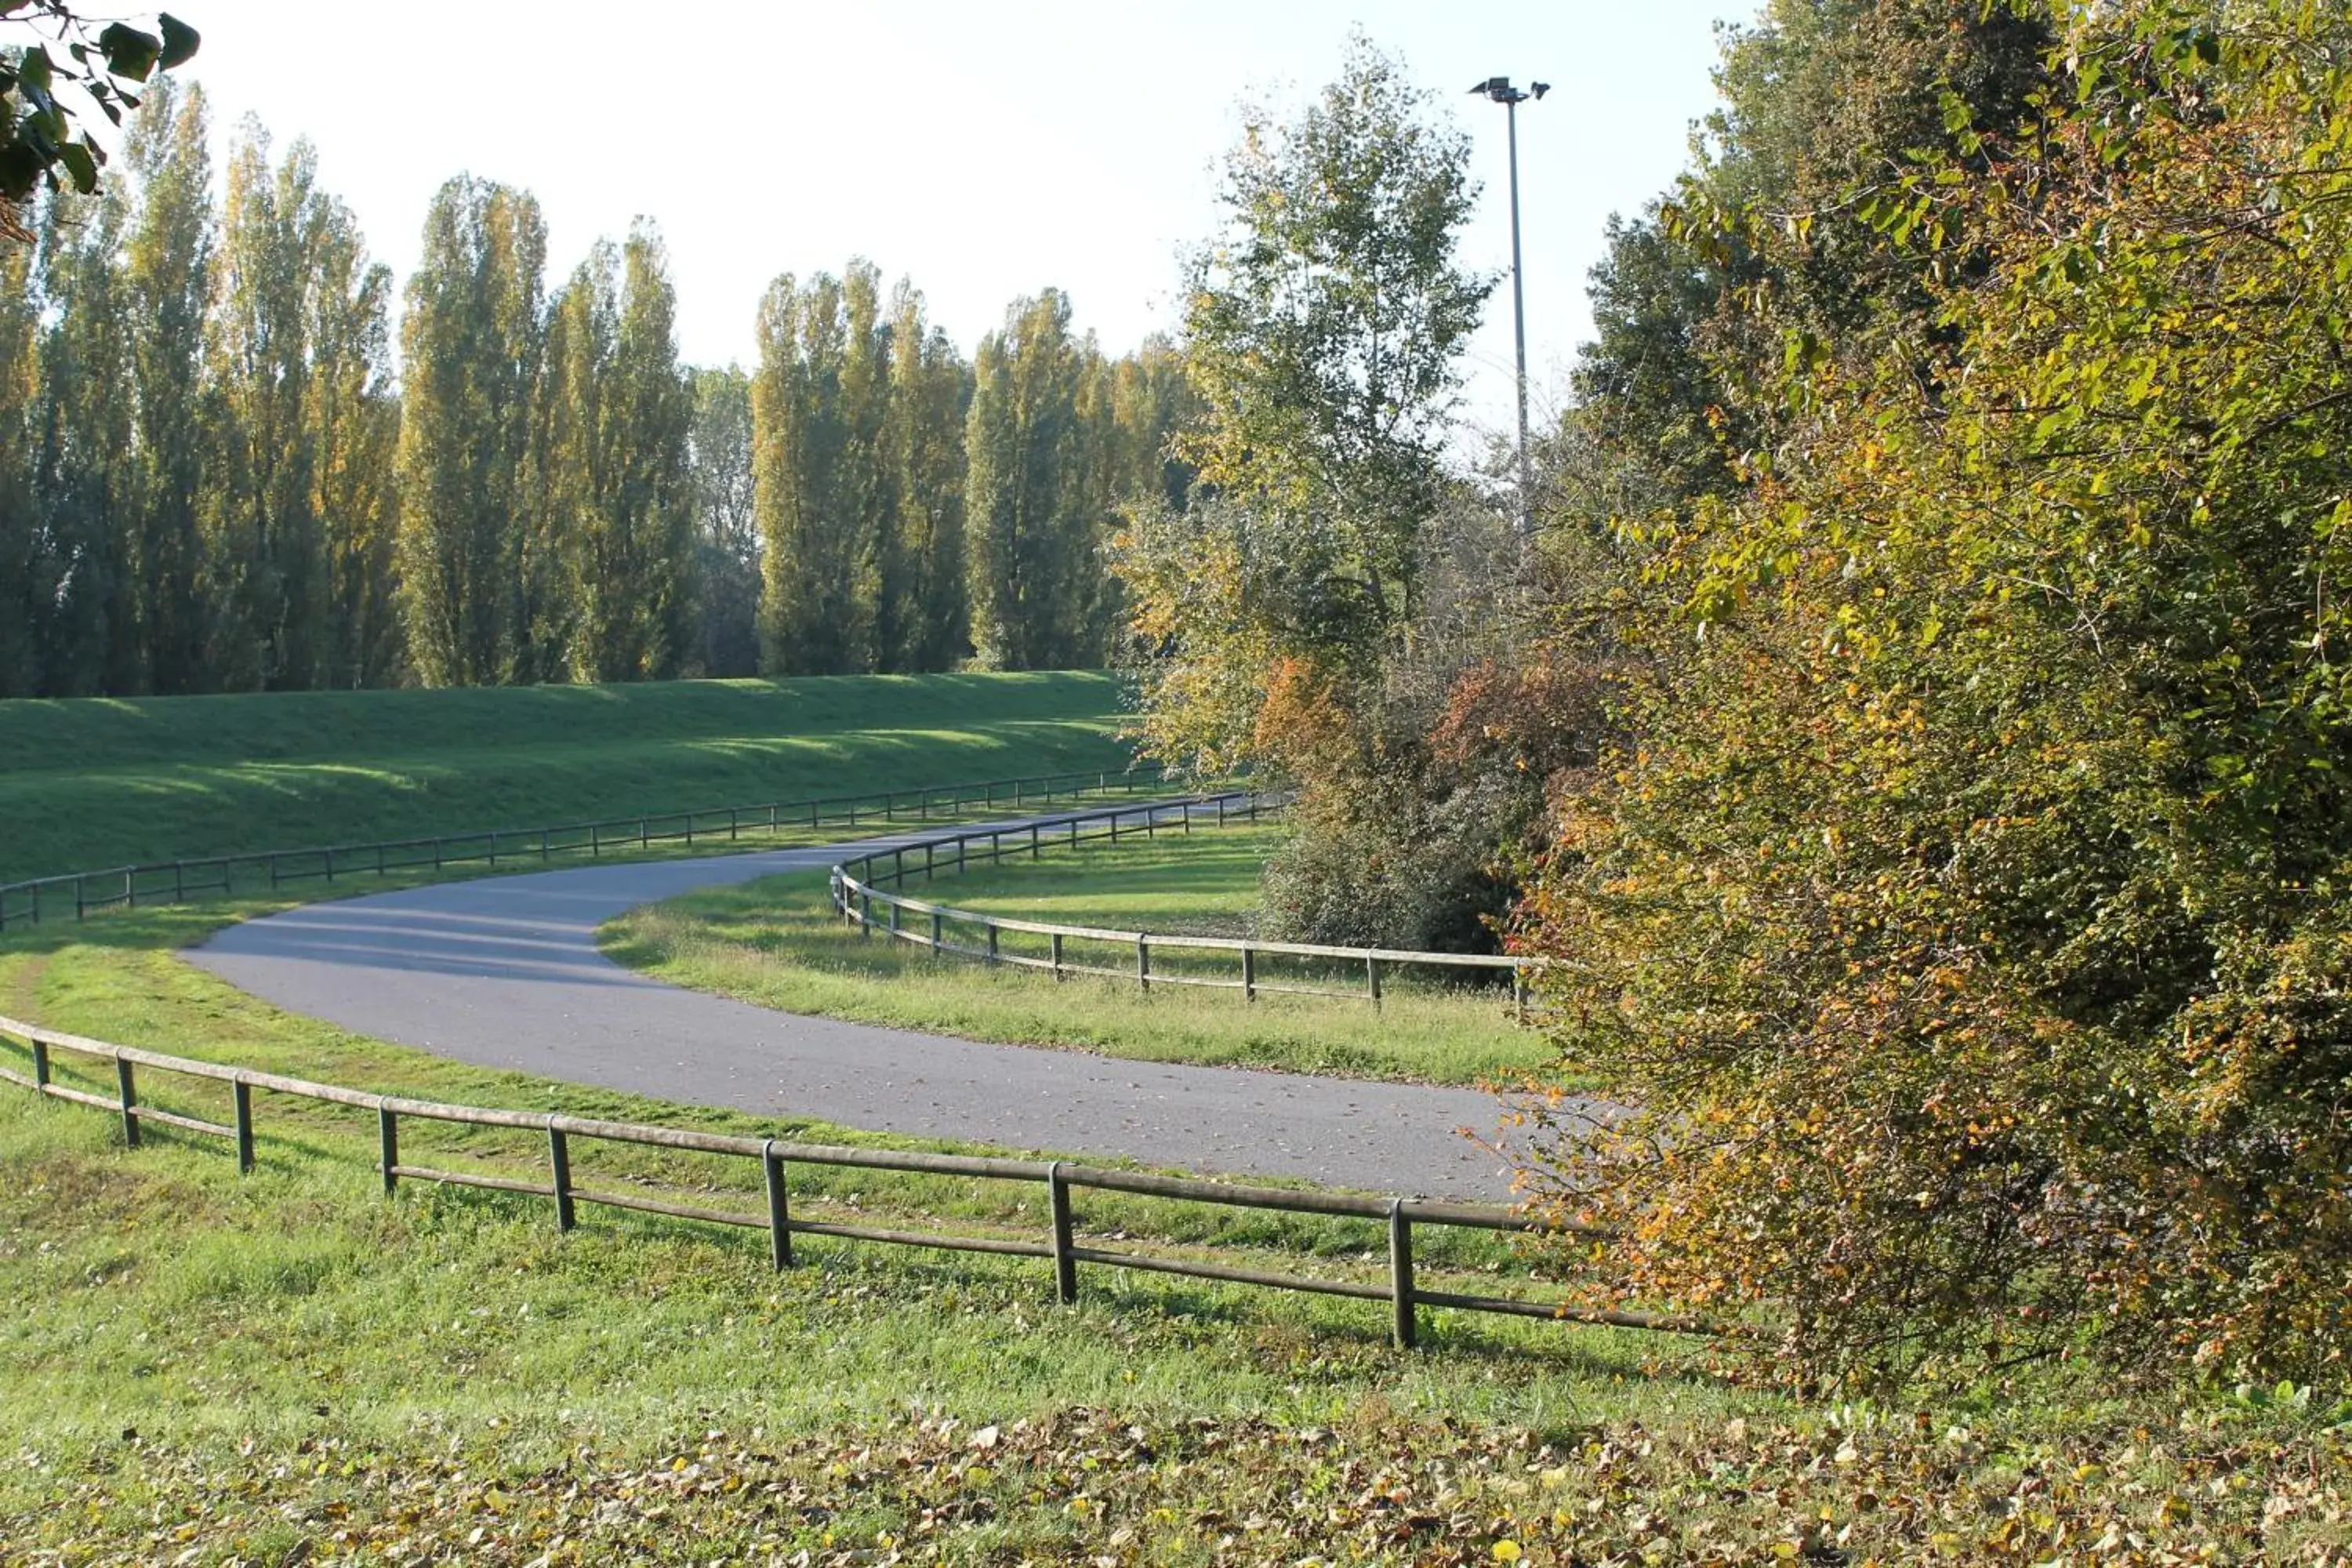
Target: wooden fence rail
pixel 40 899
pixel 855 896
pixel 1399 1215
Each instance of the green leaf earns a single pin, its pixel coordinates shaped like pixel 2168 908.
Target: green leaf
pixel 33 72
pixel 130 51
pixel 80 165
pixel 180 41
pixel 20 170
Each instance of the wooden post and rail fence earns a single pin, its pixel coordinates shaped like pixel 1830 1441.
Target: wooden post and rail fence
pixel 853 897
pixel 856 894
pixel 1062 1244
pixel 37 900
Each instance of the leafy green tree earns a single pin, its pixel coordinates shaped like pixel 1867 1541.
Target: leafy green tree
pixel 1964 926
pixel 168 281
pixel 1322 331
pixel 287 250
pixel 867 492
pixel 38 139
pixel 814 608
pixel 1032 521
pixel 727 531
pixel 1695 303
pixel 476 587
pixel 24 564
pixel 84 595
pixel 930 398
pixel 631 506
pixel 352 418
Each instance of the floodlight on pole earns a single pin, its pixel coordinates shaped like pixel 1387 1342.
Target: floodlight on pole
pixel 1500 89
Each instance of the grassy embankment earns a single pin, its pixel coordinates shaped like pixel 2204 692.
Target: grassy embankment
pixel 774 942
pixel 88 784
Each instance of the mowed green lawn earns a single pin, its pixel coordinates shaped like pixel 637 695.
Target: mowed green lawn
pixel 776 942
pixel 93 784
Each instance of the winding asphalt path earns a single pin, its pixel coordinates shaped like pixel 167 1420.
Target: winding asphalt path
pixel 504 971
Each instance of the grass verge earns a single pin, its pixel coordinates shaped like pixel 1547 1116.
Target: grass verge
pixel 775 942
pixel 196 1368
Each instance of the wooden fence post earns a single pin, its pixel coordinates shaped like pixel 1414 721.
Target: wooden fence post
pixel 1372 979
pixel 40 1064
pixel 1142 960
pixel 780 1218
pixel 1066 1266
pixel 130 1100
pixel 1056 940
pixel 1034 849
pixel 1405 1328
pixel 865 914
pixel 992 942
pixel 242 1093
pixel 559 1160
pixel 388 1139
pixel 935 933
pixel 1519 990
pixel 1249 974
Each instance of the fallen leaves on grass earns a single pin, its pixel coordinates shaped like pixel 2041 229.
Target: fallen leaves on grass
pixel 1098 1487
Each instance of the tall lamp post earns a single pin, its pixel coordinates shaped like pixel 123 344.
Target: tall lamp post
pixel 1499 89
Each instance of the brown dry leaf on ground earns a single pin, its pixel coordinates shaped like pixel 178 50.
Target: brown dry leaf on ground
pixel 1087 1487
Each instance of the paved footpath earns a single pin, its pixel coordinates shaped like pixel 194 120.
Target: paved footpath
pixel 504 971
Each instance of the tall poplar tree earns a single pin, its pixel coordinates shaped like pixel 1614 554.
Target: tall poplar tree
pixel 727 528
pixel 167 276
pixel 632 532
pixel 84 598
pixel 813 618
pixel 22 554
pixel 472 340
pixel 266 568
pixel 868 494
pixel 1031 551
pixel 351 421
pixel 931 394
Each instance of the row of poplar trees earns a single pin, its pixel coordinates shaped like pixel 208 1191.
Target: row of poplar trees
pixel 224 468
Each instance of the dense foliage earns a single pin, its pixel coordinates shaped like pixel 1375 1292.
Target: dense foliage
pixel 59 62
pixel 1965 922
pixel 1322 330
pixel 217 474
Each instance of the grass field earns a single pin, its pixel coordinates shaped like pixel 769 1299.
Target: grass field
pixel 775 942
pixel 92 784
pixel 290 1369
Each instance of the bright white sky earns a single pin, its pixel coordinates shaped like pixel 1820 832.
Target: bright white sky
pixel 985 149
